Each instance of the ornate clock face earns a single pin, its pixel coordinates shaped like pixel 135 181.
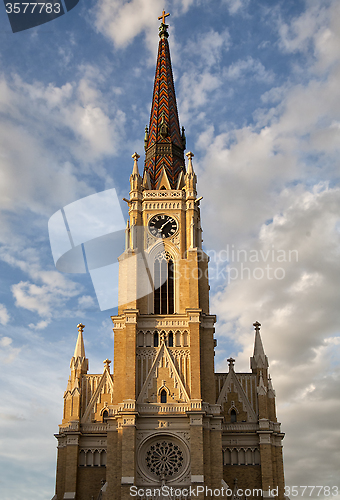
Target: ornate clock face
pixel 162 226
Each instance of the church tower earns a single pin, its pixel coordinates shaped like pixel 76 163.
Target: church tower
pixel 164 417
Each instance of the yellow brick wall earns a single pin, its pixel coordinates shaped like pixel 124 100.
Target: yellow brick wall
pixel 89 482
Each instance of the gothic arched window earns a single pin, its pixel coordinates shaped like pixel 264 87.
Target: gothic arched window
pixel 233 416
pixel 163 396
pixel 155 339
pixel 171 339
pixel 164 284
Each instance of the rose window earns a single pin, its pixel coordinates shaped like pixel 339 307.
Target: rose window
pixel 164 459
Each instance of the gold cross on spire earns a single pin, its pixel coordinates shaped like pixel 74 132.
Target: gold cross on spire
pixel 163 16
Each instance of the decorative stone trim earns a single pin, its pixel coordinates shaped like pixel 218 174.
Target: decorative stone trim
pixel 240 426
pixel 163 408
pixel 241 455
pixel 265 438
pixel 152 322
pixel 92 457
pixel 164 193
pixel 127 480
pixel 197 478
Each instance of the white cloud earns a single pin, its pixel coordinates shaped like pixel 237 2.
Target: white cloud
pixel 121 21
pixel 43 299
pixel 235 5
pixel 41 325
pixel 195 90
pixel 239 69
pixel 5 341
pixel 208 47
pixel 4 315
pixel 41 175
pixel 8 353
pixel 46 291
pixel 86 302
pixel 317 30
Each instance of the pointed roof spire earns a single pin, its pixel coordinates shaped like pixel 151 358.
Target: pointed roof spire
pixel 190 170
pixel 79 351
pixel 259 359
pixel 164 143
pixel 135 170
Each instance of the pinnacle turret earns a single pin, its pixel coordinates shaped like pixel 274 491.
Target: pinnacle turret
pixel 259 359
pixel 135 178
pixel 79 363
pixel 79 351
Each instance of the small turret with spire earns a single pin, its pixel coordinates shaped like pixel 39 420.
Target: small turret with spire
pixel 259 359
pixel 135 178
pixel 79 366
pixel 190 176
pixel 79 363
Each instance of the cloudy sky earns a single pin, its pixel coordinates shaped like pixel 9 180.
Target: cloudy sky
pixel 258 88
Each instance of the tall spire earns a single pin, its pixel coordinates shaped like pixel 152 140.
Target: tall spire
pixel 164 142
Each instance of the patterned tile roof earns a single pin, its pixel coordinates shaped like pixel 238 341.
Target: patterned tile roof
pixel 164 144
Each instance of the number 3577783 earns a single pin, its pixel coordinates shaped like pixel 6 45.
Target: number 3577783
pixel 30 8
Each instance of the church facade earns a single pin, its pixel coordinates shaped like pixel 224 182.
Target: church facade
pixel 162 417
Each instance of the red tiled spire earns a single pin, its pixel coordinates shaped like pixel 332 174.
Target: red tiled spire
pixel 164 142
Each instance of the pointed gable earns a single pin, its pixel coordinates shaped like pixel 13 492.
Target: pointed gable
pixel 163 375
pixel 231 387
pixel 101 396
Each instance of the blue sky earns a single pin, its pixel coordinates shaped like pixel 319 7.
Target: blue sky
pixel 258 89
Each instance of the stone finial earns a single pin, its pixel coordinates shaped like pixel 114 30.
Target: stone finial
pixel 135 170
pixel 80 327
pixel 190 169
pixel 257 326
pixel 107 364
pixel 231 363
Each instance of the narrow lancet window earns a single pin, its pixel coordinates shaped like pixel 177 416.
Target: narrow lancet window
pixel 155 339
pixel 163 396
pixel 164 284
pixel 233 417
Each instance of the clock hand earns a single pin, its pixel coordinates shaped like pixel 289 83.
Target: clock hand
pixel 165 223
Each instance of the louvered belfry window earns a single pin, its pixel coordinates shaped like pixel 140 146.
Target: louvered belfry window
pixel 164 284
